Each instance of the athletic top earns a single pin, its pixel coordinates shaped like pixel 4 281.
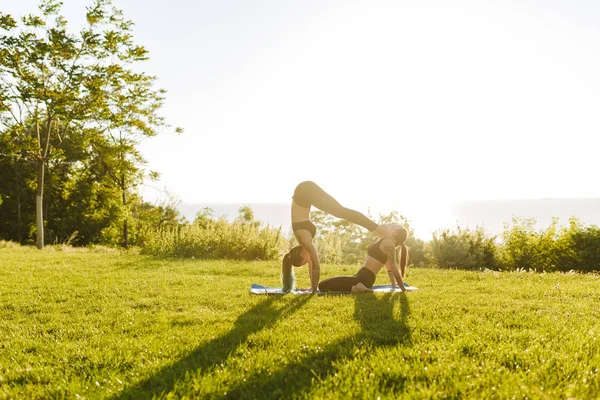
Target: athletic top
pixel 376 253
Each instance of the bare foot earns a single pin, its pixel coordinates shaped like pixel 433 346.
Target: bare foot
pixel 360 287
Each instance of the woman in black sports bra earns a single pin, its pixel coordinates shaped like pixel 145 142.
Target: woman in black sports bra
pixel 306 195
pixel 380 253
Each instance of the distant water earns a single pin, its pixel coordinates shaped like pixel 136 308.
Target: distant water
pixel 492 215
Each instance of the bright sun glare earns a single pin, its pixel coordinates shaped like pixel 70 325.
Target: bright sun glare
pixel 414 105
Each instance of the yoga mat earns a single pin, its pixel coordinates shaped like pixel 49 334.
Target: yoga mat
pixel 260 289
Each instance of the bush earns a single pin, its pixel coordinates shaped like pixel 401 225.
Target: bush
pixel 418 252
pixel 462 248
pixel 586 245
pixel 571 248
pixel 526 248
pixel 582 249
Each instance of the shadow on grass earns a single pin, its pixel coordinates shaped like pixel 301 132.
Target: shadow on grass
pixel 379 328
pixel 261 316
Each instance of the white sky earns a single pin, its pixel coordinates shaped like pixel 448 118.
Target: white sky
pixel 407 105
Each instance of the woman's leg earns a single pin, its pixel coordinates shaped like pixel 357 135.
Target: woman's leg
pixel 345 283
pixel 324 202
pixel 338 284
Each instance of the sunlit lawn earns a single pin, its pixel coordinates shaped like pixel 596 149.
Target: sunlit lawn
pixel 106 325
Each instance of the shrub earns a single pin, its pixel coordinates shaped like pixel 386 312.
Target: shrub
pixel 578 248
pixel 570 248
pixel 526 248
pixel 462 248
pixel 585 243
pixel 418 252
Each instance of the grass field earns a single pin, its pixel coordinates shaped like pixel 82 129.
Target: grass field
pixel 85 324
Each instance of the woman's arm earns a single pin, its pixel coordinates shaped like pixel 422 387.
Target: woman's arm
pixel 305 241
pixel 315 268
pixel 390 273
pixel 388 247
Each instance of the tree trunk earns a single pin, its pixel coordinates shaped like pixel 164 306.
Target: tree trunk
pixel 19 236
pixel 125 234
pixel 39 211
pixel 125 228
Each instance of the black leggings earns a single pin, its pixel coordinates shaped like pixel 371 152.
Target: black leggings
pixel 345 283
pixel 310 194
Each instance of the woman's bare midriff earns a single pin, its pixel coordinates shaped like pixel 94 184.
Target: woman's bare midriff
pixel 372 265
pixel 299 213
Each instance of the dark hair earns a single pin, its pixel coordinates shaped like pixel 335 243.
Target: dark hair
pixel 400 237
pixel 293 258
pixel 296 256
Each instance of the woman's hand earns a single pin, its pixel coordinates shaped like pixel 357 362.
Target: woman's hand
pixel 388 248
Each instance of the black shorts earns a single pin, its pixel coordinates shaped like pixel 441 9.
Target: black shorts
pixel 305 225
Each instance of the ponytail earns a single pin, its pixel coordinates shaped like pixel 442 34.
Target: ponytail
pixel 403 260
pixel 287 274
pixel 400 238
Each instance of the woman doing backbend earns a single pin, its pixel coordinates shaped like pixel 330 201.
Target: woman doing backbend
pixel 380 253
pixel 306 195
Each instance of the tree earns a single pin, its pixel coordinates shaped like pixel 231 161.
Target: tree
pixel 204 217
pixel 245 215
pixel 57 87
pixel 15 184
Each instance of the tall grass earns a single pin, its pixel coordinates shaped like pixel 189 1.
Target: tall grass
pixel 216 240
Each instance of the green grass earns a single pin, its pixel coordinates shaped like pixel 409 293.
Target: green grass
pixel 85 324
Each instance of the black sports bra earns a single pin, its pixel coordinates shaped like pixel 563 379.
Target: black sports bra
pixel 375 252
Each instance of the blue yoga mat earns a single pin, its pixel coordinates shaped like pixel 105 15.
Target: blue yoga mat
pixel 260 289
